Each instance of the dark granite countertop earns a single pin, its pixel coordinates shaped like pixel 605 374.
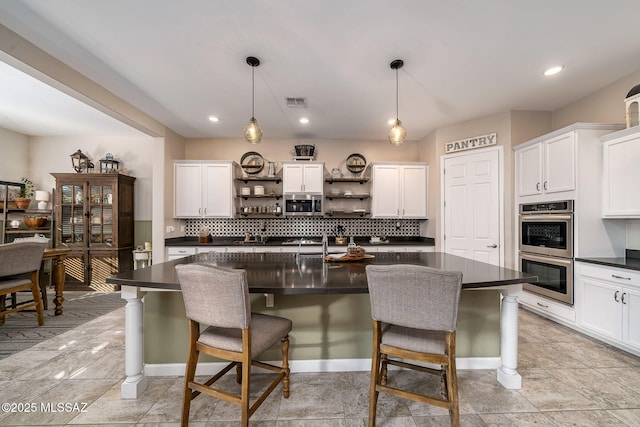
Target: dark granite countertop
pixel 631 260
pixel 279 241
pixel 287 273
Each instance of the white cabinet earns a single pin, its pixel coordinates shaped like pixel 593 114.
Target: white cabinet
pixel 399 190
pixel 547 167
pixel 302 177
pixel 203 189
pixel 621 174
pixel 608 303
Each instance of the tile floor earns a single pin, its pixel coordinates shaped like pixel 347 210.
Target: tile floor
pixel 568 379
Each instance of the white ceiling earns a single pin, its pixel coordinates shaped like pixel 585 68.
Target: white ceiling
pixel 181 61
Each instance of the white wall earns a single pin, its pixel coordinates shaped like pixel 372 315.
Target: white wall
pixel 333 152
pixel 52 154
pixel 14 161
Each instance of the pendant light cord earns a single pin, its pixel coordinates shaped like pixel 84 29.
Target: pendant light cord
pixel 253 91
pixel 397 90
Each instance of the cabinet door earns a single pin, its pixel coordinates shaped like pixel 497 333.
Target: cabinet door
pixel 217 192
pixel 529 170
pixel 621 193
pixel 313 178
pixel 600 312
pixel 385 200
pixel 414 191
pixel 559 164
pixel 292 178
pixel 631 317
pixel 302 178
pixel 187 191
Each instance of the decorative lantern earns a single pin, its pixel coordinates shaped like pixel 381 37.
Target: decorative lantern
pixel 631 105
pixel 109 164
pixel 81 162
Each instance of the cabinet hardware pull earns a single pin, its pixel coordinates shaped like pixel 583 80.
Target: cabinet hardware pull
pixel 544 185
pixel 542 305
pixel 622 299
pixel 620 277
pixel 537 186
pixel 615 296
pixel 492 246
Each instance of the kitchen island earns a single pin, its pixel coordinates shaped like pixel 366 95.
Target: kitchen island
pixel 303 275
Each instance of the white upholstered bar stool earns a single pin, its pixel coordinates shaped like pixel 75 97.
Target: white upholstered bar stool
pixel 414 311
pixel 219 298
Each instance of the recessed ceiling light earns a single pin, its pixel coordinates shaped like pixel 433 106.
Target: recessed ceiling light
pixel 214 119
pixel 304 120
pixel 553 70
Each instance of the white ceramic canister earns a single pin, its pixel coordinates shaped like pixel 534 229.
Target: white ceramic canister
pixel 258 190
pixel 246 191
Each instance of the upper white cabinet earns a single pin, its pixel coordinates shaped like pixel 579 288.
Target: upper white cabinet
pixel 399 190
pixel 302 177
pixel 547 166
pixel 203 189
pixel 621 174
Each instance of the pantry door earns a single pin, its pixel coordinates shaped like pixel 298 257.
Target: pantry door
pixel 473 205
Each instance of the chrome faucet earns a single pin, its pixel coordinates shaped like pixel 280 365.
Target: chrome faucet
pixel 325 246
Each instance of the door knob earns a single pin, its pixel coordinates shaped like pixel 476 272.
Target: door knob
pixel 492 246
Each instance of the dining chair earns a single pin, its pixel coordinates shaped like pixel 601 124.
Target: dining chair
pixel 19 271
pixel 219 299
pixel 414 311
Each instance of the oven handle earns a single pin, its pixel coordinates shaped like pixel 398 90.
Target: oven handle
pixel 545 217
pixel 549 260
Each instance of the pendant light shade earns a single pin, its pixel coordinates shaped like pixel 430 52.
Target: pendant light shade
pixel 397 134
pixel 253 133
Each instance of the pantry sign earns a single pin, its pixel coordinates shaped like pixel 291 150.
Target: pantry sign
pixel 471 143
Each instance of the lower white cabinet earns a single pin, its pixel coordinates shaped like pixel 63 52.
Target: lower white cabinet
pixel 608 303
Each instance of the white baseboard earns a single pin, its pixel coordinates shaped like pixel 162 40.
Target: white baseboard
pixel 320 365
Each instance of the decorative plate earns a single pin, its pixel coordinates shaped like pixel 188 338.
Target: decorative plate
pixel 252 162
pixel 356 163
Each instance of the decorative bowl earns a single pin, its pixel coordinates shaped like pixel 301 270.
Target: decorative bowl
pixel 34 221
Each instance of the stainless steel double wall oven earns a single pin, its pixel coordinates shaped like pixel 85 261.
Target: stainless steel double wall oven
pixel 546 248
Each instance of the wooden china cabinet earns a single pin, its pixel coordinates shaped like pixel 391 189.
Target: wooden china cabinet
pixel 94 218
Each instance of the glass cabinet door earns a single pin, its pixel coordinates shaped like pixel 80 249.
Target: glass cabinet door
pixel 73 219
pixel 101 214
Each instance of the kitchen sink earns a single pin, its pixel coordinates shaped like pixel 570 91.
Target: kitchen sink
pixel 302 242
pixel 249 243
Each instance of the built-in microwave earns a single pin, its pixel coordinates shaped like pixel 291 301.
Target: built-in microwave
pixel 303 204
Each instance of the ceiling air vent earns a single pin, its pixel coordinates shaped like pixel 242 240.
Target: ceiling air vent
pixel 296 102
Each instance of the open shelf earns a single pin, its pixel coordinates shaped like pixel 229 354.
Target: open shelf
pixel 360 180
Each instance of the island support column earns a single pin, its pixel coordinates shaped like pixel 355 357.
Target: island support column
pixel 136 381
pixel 507 374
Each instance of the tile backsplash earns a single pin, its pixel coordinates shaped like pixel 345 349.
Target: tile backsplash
pixel 304 227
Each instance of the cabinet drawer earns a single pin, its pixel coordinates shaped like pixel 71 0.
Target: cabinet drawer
pixel 620 276
pixel 179 252
pixel 546 306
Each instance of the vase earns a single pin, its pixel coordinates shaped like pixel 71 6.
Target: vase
pixel 21 202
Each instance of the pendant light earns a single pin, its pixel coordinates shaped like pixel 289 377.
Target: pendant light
pixel 253 133
pixel 397 133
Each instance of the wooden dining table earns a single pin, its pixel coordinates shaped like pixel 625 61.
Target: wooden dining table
pixel 57 257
